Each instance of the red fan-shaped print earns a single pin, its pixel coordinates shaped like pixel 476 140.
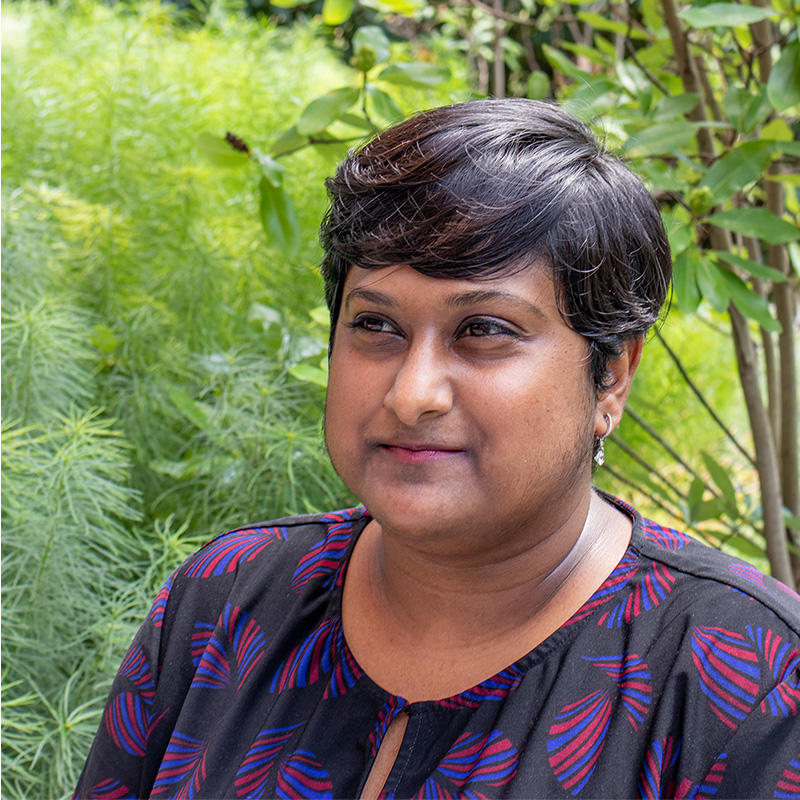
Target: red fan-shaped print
pixel 226 552
pixel 646 593
pixel 110 789
pixel 302 776
pixel 160 603
pixel 128 720
pixel 728 671
pixel 326 557
pixel 788 787
pixel 474 761
pixel 576 739
pixel 252 775
pixel 136 669
pixel 183 768
pixel 632 676
pixel 232 652
pixel 656 779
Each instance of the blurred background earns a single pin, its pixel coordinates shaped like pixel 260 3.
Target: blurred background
pixel 164 333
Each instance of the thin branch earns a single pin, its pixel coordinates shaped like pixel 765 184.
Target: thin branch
pixel 695 389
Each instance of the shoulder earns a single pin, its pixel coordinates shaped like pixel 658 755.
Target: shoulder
pixel 709 577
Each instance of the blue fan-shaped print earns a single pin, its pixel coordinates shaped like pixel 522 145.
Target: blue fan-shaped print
pixel 136 669
pixel 385 718
pixel 326 557
pixel 666 538
pixel 300 775
pixel 783 662
pixel 497 687
pixel 252 775
pixel 728 670
pixel 645 594
pixel 110 789
pixel 475 760
pixel 788 787
pixel 576 739
pixel 129 720
pixel 232 652
pixel 634 682
pixel 622 573
pixel 183 768
pixel 226 552
pixel 160 603
pixel 656 778
pixel 323 653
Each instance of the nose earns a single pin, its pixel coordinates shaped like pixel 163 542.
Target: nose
pixel 421 387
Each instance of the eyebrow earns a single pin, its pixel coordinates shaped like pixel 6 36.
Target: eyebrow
pixel 454 301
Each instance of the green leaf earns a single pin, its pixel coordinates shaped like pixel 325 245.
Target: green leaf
pixel 721 479
pixel 309 374
pixel 790 148
pixel 600 23
pixel 383 104
pixel 357 121
pixel 220 152
pixel 324 110
pixel 538 85
pixel 696 491
pixel 708 509
pixel 712 284
pixel 665 137
pixel 561 63
pixel 194 412
pixel 104 339
pixel 289 140
pixel 744 548
pixel 777 130
pixel 374 37
pixel 592 99
pixel 672 106
pixel 758 222
pixel 684 281
pixel 754 268
pixel 783 86
pixel 278 217
pixel 724 15
pixel 744 109
pixel 271 169
pixel 735 170
pixel 321 316
pixel 632 79
pixel 335 12
pixel 415 73
pixel 750 303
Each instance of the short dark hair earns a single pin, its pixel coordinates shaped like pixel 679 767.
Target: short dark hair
pixel 489 186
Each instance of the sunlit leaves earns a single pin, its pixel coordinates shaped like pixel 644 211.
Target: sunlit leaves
pixel 724 15
pixel 415 73
pixel 758 222
pixel 324 110
pixel 783 86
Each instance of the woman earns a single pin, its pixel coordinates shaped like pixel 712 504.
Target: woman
pixel 491 626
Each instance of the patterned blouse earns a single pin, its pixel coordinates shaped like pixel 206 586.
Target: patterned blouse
pixel 679 677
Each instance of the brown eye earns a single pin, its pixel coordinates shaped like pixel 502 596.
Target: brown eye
pixel 485 327
pixel 372 324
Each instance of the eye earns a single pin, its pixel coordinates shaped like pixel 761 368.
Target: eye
pixel 372 324
pixel 484 327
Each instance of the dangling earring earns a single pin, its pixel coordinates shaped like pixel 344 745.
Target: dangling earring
pixel 600 455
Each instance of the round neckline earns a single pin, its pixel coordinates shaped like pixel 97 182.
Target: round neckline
pixel 466 698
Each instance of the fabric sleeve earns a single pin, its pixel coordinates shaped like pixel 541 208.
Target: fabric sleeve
pixel 116 765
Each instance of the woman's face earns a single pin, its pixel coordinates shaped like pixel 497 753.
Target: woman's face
pixel 460 411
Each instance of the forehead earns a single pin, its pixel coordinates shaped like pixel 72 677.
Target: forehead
pixel 532 284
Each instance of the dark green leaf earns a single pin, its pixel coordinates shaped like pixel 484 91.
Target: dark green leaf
pixel 374 37
pixel 383 104
pixel 538 85
pixel 744 548
pixel 665 137
pixel 193 411
pixel 561 63
pixel 708 509
pixel 335 12
pixel 721 479
pixel 750 303
pixel 738 168
pixel 271 169
pixel 289 140
pixel 600 23
pixel 415 73
pixel 309 374
pixel 672 106
pixel 712 284
pixel 684 281
pixel 754 268
pixel 790 148
pixel 324 110
pixel 744 109
pixel 725 15
pixel 278 218
pixel 356 121
pixel 758 222
pixel 219 152
pixel 783 86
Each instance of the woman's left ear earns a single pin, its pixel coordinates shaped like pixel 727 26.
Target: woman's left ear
pixel 611 403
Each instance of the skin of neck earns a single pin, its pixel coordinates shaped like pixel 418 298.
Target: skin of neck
pixel 469 601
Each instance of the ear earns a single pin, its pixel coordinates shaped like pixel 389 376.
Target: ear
pixel 611 403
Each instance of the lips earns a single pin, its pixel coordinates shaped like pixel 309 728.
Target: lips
pixel 419 452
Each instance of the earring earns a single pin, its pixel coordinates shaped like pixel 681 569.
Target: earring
pixel 600 455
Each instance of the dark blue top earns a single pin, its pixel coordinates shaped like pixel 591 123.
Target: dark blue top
pixel 679 677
